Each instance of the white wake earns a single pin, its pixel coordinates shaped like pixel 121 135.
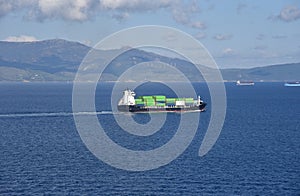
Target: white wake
pixel 54 114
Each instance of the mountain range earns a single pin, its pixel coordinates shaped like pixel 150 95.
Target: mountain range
pixel 59 60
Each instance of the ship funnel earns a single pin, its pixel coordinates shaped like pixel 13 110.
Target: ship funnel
pixel 199 100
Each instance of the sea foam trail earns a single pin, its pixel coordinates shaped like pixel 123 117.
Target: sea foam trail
pixel 48 114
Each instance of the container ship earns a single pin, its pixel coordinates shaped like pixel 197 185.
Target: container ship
pixel 158 103
pixel 292 83
pixel 244 83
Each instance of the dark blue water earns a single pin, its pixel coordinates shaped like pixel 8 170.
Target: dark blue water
pixel 257 152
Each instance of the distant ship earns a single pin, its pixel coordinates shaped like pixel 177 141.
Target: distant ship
pixel 244 83
pixel 158 103
pixel 292 83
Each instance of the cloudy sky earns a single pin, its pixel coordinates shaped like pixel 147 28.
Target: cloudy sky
pixel 237 33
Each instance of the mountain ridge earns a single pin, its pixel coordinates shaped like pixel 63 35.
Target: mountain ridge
pixel 58 60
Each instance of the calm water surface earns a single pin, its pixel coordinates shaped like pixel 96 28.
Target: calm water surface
pixel 257 152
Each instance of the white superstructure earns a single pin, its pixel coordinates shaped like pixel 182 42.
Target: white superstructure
pixel 128 98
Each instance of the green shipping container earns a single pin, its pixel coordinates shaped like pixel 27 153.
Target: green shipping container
pixel 159 96
pixel 147 97
pixel 170 100
pixel 150 104
pixel 149 100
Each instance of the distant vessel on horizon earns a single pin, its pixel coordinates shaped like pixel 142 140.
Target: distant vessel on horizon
pixel 244 83
pixel 297 83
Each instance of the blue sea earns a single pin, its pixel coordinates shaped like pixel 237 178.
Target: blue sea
pixel 257 152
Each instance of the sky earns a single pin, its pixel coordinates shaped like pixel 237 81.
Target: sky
pixel 237 33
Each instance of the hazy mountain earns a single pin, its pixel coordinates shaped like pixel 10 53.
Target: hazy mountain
pixel 281 72
pixel 50 56
pixel 58 60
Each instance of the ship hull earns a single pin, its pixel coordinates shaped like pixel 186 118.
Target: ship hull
pixel 141 109
pixel 244 83
pixel 292 84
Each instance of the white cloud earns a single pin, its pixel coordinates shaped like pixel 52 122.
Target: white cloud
pixel 198 25
pixel 228 51
pixel 180 16
pixel 68 9
pixel 21 38
pixel 137 5
pixel 5 7
pixel 42 9
pixel 289 13
pixel 222 37
pixel 121 16
pixel 183 12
